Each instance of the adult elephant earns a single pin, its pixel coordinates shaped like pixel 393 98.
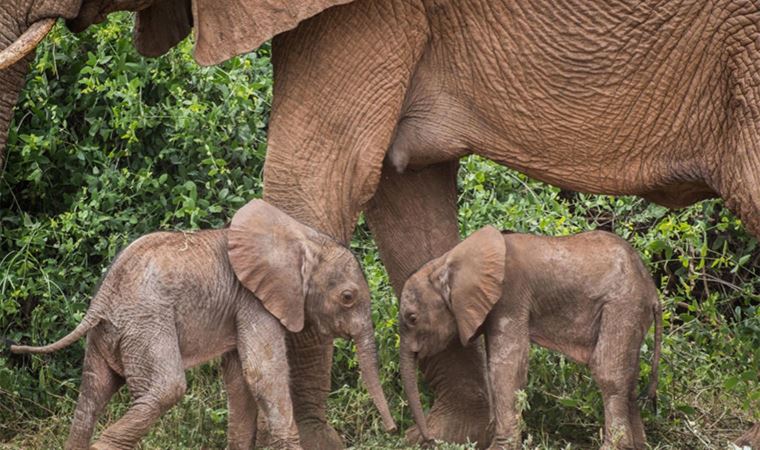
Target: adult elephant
pixel 375 101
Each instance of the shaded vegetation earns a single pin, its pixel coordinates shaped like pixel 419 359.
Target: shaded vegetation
pixel 107 146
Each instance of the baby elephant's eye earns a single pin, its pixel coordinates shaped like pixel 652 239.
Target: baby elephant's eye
pixel 411 319
pixel 347 298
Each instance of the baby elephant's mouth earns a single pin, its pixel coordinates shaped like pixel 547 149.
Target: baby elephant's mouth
pixel 414 347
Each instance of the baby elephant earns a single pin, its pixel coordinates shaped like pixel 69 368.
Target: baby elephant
pixel 587 296
pixel 172 300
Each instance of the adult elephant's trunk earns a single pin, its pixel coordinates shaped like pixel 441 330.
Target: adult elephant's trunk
pixel 13 68
pixel 11 82
pixel 367 354
pixel 408 369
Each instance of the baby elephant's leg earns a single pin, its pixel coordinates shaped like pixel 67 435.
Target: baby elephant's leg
pixel 241 428
pixel 263 356
pixel 99 383
pixel 156 380
pixel 508 349
pixel 751 438
pixel 614 366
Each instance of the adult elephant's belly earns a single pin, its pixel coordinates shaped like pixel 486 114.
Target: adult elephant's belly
pixel 610 102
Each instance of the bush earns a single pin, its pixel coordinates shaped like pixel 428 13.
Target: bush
pixel 107 146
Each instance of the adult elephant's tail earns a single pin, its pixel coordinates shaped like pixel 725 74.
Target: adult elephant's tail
pixel 651 392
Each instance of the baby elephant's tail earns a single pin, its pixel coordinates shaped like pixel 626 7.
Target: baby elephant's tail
pixel 89 322
pixel 651 391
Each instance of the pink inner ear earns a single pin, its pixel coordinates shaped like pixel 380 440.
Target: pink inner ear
pixel 477 279
pixel 265 248
pixel 440 278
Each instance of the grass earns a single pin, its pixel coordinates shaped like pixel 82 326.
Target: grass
pixel 708 391
pixel 199 421
pixel 108 146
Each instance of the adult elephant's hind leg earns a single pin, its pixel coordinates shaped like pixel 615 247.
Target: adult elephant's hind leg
pixel 741 192
pixel 751 438
pixel 413 217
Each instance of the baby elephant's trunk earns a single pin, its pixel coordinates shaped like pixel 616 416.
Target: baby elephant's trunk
pixel 89 322
pixel 367 355
pixel 408 370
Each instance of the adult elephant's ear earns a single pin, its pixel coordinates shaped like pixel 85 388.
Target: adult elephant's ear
pixel 225 28
pixel 273 256
pixel 161 26
pixel 471 279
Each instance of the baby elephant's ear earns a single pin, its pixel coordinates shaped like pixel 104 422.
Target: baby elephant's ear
pixel 476 277
pixel 271 255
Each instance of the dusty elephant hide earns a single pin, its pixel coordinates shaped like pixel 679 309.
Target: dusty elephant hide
pixel 173 300
pixel 659 99
pixel 588 296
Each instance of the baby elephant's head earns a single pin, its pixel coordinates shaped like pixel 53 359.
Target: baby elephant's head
pixel 306 279
pixel 449 296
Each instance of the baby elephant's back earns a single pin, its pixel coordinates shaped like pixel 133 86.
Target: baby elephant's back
pixel 591 265
pixel 572 282
pixel 176 279
pixel 171 265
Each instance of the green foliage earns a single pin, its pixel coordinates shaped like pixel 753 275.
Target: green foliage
pixel 707 268
pixel 107 146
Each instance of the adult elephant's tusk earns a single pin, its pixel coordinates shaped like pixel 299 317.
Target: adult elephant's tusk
pixel 25 43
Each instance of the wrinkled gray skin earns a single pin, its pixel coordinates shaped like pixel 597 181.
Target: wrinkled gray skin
pixel 375 101
pixel 588 296
pixel 171 301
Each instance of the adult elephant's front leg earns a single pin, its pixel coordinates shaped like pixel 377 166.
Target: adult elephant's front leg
pixel 413 217
pixel 340 80
pixel 310 358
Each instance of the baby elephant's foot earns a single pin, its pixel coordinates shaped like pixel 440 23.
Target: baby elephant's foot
pixel 318 435
pixel 454 428
pixel 282 445
pixel 103 446
pixel 619 446
pixel 510 443
pixel 314 435
pixel 450 425
pixel 620 437
pixel 751 438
